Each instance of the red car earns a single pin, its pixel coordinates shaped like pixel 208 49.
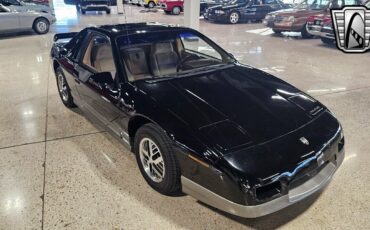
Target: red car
pixel 172 6
pixel 321 25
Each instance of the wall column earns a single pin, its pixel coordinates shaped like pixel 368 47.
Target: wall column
pixel 191 13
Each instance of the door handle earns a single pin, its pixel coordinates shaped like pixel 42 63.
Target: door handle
pixel 77 81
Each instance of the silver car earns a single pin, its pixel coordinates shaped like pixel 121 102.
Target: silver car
pixel 12 20
pixel 21 6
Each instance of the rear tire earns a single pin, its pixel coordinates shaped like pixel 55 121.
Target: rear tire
pixel 107 11
pixel 83 11
pixel 158 163
pixel 176 10
pixel 63 89
pixel 41 26
pixel 151 5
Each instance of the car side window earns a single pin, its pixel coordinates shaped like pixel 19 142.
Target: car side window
pixel 99 56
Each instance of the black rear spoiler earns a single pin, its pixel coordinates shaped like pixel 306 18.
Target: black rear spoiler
pixel 64 36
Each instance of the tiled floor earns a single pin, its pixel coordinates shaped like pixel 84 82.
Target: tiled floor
pixel 85 185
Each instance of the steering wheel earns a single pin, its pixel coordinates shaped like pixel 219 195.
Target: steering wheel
pixel 182 61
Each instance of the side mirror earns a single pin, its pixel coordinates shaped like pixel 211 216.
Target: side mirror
pixel 103 78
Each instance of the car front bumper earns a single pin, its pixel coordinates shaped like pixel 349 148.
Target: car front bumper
pixel 216 17
pixel 321 31
pixel 95 7
pixel 311 186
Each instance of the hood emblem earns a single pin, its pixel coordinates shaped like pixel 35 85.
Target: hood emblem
pixel 304 141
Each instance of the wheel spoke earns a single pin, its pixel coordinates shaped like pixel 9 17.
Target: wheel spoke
pixel 157 172
pixel 158 160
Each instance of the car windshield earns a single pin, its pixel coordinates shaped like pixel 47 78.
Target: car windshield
pixel 148 55
pixel 313 4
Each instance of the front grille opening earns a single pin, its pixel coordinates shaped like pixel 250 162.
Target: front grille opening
pixel 268 191
pixel 341 144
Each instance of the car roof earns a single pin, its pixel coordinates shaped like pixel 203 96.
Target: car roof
pixel 133 28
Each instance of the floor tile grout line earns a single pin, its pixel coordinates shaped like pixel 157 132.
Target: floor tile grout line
pixel 344 91
pixel 19 145
pixel 45 141
pixel 55 139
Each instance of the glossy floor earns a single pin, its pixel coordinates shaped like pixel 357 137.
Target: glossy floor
pixel 85 185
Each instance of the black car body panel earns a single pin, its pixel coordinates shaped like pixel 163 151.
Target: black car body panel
pixel 238 132
pixel 205 4
pixel 247 9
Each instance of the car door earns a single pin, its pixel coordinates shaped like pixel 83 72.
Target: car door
pixel 8 20
pixel 97 83
pixel 265 7
pixel 250 10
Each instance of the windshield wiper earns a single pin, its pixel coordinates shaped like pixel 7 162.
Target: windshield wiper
pixel 188 73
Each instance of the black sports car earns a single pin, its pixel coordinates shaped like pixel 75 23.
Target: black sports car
pixel 199 122
pixel 236 11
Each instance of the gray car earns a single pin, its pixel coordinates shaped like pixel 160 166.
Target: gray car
pixel 12 20
pixel 21 6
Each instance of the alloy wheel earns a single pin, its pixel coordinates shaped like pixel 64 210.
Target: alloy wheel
pixel 42 26
pixel 152 160
pixel 63 89
pixel 234 17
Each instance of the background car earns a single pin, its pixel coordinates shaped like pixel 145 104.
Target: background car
pixel 296 19
pixel 39 2
pixel 174 7
pixel 236 11
pixel 21 6
pixel 322 27
pixel 94 5
pixel 12 21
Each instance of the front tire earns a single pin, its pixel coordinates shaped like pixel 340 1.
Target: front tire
pixel 327 41
pixel 41 26
pixel 156 160
pixel 276 31
pixel 304 32
pixel 63 89
pixel 107 11
pixel 234 17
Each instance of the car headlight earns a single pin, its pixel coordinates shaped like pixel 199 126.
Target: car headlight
pixel 219 12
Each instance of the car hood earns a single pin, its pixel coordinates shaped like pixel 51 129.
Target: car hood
pixel 235 107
